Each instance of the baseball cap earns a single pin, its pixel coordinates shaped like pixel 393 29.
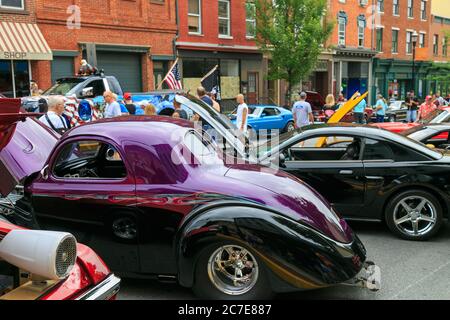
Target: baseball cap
pixel 303 94
pixel 127 96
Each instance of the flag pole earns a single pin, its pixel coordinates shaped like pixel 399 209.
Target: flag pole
pixel 173 66
pixel 209 73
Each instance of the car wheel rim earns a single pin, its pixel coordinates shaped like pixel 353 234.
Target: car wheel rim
pixel 125 228
pixel 291 127
pixel 233 270
pixel 415 216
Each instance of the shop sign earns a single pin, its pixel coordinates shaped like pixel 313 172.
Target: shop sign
pixel 14 56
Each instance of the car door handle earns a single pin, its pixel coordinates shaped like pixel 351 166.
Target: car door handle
pixel 346 172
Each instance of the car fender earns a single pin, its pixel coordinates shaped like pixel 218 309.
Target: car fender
pixel 293 254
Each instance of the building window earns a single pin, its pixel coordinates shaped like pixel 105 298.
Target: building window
pixel 380 5
pixel 380 39
pixel 14 78
pixel 224 17
pixel 423 10
pixel 250 19
pixel 444 46
pixel 394 41
pixel 410 8
pixel 12 4
pixel 422 40
pixel 395 7
pixel 361 30
pixel 342 26
pixel 409 42
pixel 195 16
pixel 436 45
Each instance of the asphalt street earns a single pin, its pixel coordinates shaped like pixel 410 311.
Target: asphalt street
pixel 409 270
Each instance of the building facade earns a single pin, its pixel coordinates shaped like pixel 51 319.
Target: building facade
pixel 352 44
pixel 394 71
pixel 132 40
pixel 221 32
pixel 22 47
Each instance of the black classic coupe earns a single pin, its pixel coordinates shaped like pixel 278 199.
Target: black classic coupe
pixel 370 174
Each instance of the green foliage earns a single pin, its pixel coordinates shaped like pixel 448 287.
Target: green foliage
pixel 440 72
pixel 293 33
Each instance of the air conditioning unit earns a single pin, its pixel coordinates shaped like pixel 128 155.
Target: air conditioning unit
pixel 363 3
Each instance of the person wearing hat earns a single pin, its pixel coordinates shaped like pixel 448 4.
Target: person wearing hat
pixel 302 112
pixel 426 108
pixel 128 102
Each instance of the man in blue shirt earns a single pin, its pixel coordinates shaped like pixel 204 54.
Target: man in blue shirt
pixel 380 108
pixel 201 93
pixel 358 111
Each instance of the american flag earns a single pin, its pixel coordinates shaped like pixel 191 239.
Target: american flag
pixel 173 78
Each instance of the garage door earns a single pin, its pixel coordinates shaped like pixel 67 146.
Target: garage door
pixel 62 67
pixel 126 67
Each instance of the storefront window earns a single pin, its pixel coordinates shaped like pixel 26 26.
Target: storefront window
pixel 229 78
pixel 14 74
pixel 22 78
pixel 6 87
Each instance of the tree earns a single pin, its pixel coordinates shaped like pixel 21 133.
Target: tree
pixel 293 33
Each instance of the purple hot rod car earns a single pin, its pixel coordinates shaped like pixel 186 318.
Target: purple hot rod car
pixel 154 197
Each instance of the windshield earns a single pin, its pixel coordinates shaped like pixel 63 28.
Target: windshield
pixel 438 116
pixel 62 87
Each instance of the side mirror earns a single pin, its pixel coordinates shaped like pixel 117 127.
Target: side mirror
pixel 44 172
pixel 282 160
pixel 87 92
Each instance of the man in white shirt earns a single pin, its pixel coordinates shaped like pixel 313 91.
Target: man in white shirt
pixel 53 118
pixel 242 114
pixel 112 108
pixel 302 112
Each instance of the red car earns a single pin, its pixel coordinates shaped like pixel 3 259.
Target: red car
pixel 46 265
pixel 441 115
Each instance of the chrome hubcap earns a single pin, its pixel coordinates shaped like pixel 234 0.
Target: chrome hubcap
pixel 415 216
pixel 233 270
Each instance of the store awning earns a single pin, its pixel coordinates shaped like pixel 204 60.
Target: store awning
pixel 23 41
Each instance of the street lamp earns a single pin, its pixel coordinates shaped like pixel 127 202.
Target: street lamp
pixel 414 38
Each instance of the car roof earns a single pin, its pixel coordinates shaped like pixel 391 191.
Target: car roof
pixel 133 128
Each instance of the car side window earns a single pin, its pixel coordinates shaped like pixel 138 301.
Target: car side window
pixel 270 112
pixel 89 159
pixel 377 150
pixel 326 148
pixel 98 87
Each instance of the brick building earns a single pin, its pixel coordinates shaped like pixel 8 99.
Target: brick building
pixel 22 46
pixel 352 45
pixel 133 40
pixel 221 32
pixel 439 44
pixel 393 70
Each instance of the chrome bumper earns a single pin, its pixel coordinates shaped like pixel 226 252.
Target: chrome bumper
pixel 105 290
pixel 369 277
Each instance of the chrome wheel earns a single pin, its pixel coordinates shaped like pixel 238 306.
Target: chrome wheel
pixel 290 127
pixel 415 216
pixel 233 270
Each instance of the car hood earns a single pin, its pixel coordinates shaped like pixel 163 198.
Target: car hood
pixel 294 198
pixel 25 145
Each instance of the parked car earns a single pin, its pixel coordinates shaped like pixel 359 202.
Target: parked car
pixel 43 265
pixel 396 112
pixel 266 117
pixel 441 115
pixel 161 205
pixel 370 174
pixel 433 135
